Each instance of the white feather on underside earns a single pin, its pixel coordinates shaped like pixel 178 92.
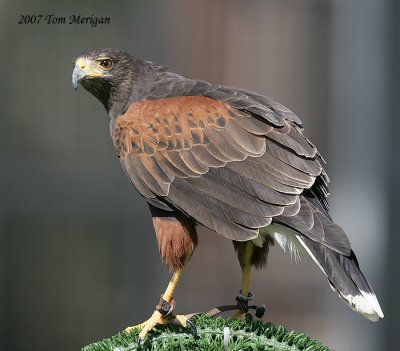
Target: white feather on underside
pixel 286 239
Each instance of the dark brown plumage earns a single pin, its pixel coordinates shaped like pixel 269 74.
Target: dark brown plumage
pixel 229 159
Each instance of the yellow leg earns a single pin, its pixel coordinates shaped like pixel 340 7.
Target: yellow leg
pixel 246 274
pixel 167 296
pixel 244 255
pixel 245 252
pixel 157 317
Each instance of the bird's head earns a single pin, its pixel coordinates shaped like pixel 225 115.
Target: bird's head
pixel 116 78
pixel 108 74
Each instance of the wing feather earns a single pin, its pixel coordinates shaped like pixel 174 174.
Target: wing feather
pixel 294 140
pixel 176 160
pixel 192 162
pixel 224 145
pixel 232 160
pixel 192 203
pixel 136 180
pixel 156 187
pixel 252 125
pixel 315 225
pixel 253 188
pixel 212 185
pixel 158 172
pixel 249 144
pixel 203 155
pixel 312 167
pixel 282 172
pixel 263 177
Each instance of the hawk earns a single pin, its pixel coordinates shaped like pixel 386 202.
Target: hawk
pixel 229 159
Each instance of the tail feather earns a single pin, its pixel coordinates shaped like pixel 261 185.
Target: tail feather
pixel 310 230
pixel 345 278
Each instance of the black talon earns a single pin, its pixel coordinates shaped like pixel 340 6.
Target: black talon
pixel 190 325
pixel 249 320
pixel 139 343
pixel 193 329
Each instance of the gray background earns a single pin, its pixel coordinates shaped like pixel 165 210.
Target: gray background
pixel 78 257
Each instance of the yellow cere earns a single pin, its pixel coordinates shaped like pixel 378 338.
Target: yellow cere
pixel 89 66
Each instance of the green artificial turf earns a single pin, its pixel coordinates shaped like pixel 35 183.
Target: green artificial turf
pixel 264 336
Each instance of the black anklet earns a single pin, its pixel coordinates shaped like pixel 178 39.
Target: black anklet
pixel 165 307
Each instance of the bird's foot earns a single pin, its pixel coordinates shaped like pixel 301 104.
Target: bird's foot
pixel 161 316
pixel 244 308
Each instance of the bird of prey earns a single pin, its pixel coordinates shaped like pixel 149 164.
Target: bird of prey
pixel 229 159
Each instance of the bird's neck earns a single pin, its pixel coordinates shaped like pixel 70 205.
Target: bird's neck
pixel 135 87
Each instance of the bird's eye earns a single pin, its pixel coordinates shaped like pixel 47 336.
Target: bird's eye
pixel 106 64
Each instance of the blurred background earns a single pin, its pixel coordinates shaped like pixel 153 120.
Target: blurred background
pixel 78 256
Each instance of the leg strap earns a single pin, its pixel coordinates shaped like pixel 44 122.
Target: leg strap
pixel 241 305
pixel 165 307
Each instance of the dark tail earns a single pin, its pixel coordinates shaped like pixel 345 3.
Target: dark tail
pixel 345 278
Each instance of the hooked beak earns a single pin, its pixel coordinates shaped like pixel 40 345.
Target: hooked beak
pixel 77 75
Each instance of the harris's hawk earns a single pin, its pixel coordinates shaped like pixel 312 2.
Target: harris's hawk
pixel 229 159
